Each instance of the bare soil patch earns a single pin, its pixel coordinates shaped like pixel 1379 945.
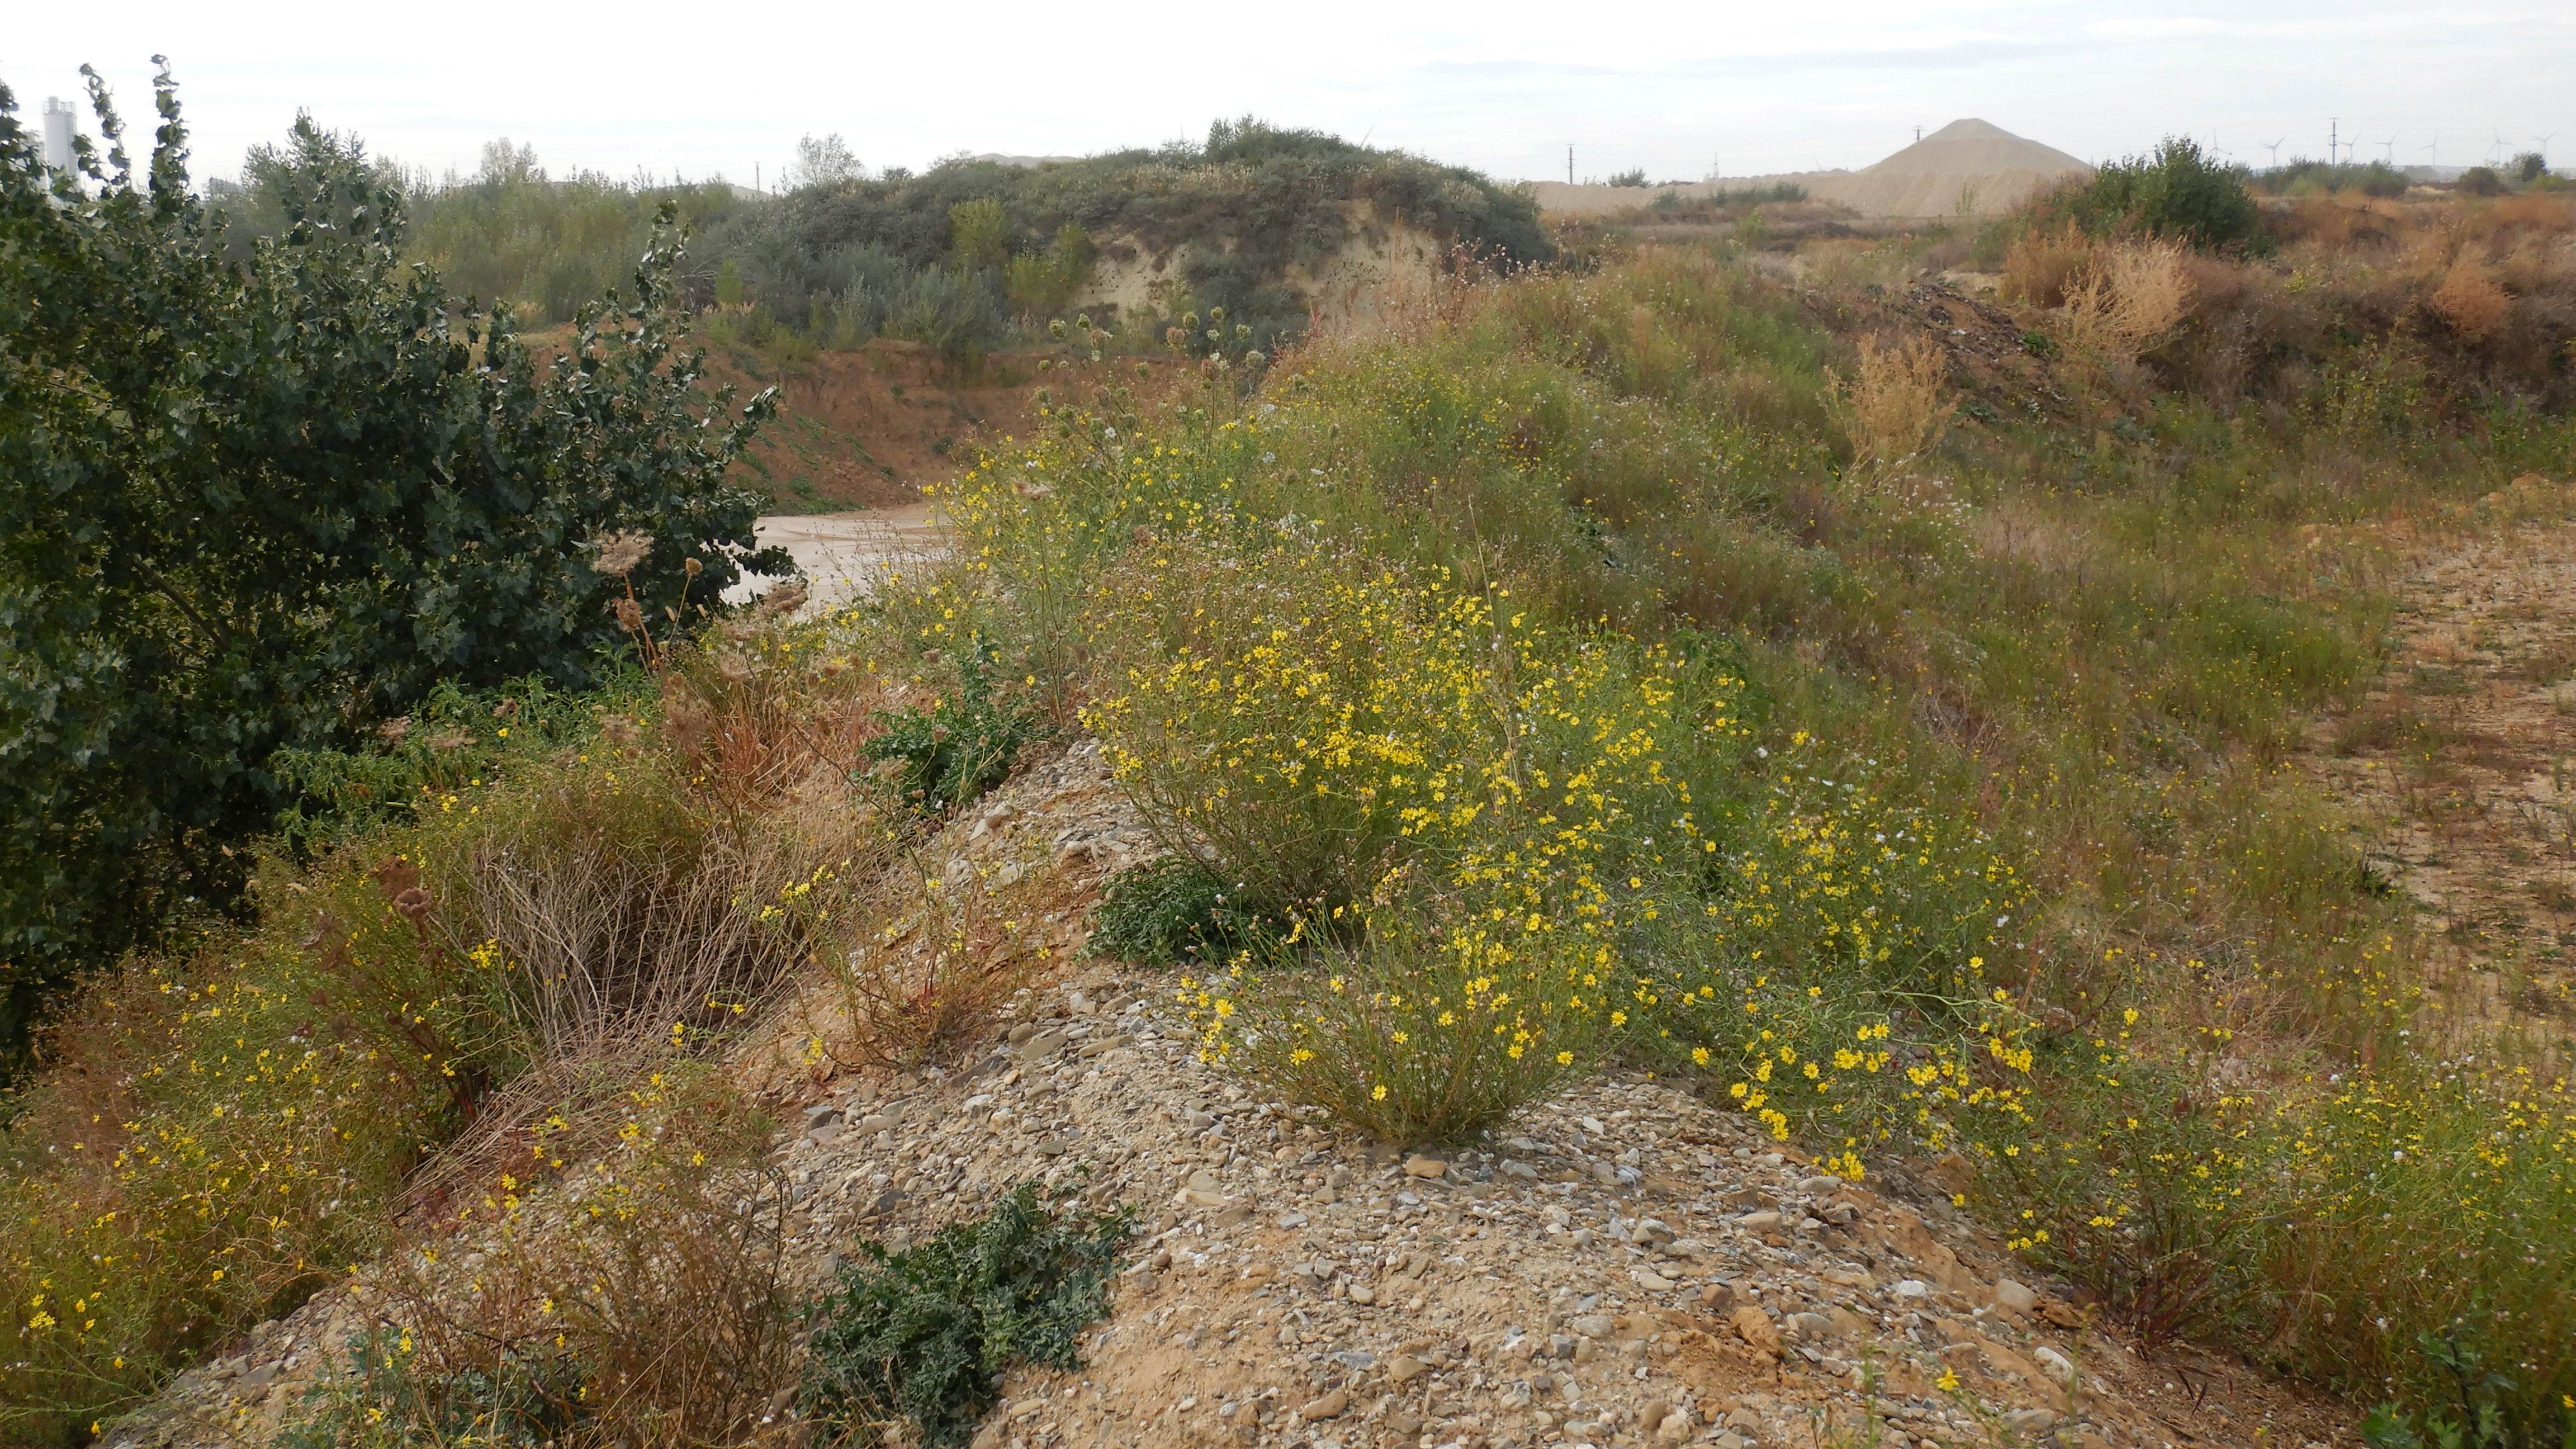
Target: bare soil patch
pixel 2461 760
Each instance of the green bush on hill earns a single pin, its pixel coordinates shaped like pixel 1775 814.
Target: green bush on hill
pixel 2180 192
pixel 268 503
pixel 1247 205
pixel 956 257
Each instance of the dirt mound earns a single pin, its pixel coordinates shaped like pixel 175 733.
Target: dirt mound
pixel 1626 1266
pixel 1974 148
pixel 1967 167
pixel 867 428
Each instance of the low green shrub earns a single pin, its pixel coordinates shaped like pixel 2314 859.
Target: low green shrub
pixel 961 746
pixel 382 1399
pixel 924 1335
pixel 2179 192
pixel 1171 911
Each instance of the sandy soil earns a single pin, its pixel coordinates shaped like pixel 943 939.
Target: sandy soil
pixel 1967 167
pixel 2461 760
pixel 843 554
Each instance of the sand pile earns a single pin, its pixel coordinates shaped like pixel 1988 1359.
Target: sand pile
pixel 1967 166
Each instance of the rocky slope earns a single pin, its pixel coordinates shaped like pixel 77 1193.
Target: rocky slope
pixel 1626 1266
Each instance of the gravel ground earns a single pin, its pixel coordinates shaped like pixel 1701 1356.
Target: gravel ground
pixel 1626 1266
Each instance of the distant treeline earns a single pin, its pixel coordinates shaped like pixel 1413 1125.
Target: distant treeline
pixel 2306 177
pixel 965 255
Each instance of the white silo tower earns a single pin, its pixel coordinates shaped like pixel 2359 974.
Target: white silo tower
pixel 58 133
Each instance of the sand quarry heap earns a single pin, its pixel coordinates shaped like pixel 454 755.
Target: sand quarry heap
pixel 1969 166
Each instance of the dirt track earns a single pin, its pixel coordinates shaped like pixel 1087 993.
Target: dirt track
pixel 842 554
pixel 2462 758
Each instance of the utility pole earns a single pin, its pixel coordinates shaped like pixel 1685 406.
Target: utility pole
pixel 1569 166
pixel 2332 145
pixel 1918 133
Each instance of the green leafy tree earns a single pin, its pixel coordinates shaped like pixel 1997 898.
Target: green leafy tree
pixel 270 502
pixel 2180 192
pixel 980 236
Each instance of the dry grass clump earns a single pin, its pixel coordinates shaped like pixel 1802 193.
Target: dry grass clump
pixel 2135 294
pixel 486 963
pixel 942 940
pixel 644 1303
pixel 2471 302
pixel 1893 408
pixel 2040 265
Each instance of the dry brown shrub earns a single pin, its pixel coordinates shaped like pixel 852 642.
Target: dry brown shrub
pixel 644 1302
pixel 664 889
pixel 941 944
pixel 2471 302
pixel 1893 407
pixel 2338 222
pixel 2039 265
pixel 2138 293
pixel 2542 215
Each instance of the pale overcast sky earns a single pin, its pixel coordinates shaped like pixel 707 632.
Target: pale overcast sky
pixel 1504 85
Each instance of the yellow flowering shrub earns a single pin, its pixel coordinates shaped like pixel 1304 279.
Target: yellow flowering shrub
pixel 266 1099
pixel 224 1128
pixel 1467 813
pixel 2435 1204
pixel 1303 721
pixel 1433 1022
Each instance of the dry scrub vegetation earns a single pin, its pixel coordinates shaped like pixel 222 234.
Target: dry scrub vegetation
pixel 1556 680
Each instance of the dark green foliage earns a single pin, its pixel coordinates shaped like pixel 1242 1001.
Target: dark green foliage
pixel 454 738
pixel 1255 197
pixel 2375 178
pixel 960 747
pixel 2480 181
pixel 926 1334
pixel 259 504
pixel 2179 192
pixel 2469 1408
pixel 2529 167
pixel 952 309
pixel 1634 176
pixel 1670 205
pixel 382 1400
pixel 1172 910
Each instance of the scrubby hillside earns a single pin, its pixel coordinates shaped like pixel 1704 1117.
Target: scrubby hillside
pixel 1688 851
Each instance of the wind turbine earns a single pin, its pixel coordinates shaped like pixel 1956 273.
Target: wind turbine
pixel 2433 151
pixel 2495 157
pixel 2543 139
pixel 2275 148
pixel 2388 152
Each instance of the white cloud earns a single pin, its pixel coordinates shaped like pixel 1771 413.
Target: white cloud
pixel 1505 85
